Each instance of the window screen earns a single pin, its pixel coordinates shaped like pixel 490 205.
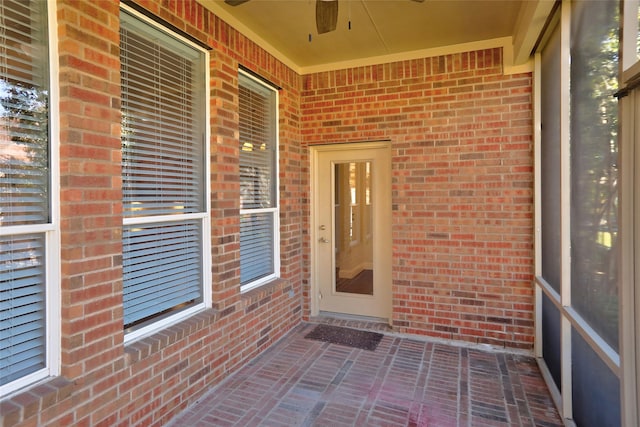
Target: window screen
pixel 594 165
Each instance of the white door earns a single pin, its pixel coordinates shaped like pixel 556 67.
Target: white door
pixel 351 234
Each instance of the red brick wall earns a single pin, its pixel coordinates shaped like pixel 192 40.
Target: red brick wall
pixel 462 186
pixel 104 382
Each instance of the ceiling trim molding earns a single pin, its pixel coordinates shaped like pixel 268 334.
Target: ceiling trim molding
pixel 503 42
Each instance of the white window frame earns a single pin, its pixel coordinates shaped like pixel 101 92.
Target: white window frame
pixel 203 216
pixel 275 210
pixel 51 230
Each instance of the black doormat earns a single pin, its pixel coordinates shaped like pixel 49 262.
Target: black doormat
pixel 345 336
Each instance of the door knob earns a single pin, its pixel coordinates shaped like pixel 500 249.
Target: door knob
pixel 323 240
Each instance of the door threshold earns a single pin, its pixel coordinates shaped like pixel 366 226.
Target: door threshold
pixel 352 321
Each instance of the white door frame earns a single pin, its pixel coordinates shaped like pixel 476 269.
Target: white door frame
pixel 314 152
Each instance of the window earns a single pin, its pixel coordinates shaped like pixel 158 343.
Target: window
pixel 28 229
pixel 259 211
pixel 164 171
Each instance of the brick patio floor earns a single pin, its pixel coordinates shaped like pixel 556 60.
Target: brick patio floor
pixel 404 382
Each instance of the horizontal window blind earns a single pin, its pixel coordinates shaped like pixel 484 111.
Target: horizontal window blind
pixel 163 167
pixel 24 111
pixel 24 190
pixel 22 306
pixel 258 180
pixel 162 138
pixel 257 145
pixel 162 269
pixel 256 246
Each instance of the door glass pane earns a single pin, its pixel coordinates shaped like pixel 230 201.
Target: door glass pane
pixel 594 168
pixel 353 232
pixel 638 32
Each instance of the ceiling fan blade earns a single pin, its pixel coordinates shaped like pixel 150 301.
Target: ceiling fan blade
pixel 235 2
pixel 326 15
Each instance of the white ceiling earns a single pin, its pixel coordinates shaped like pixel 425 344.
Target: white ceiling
pixel 379 28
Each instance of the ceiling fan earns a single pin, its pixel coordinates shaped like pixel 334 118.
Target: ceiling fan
pixel 326 13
